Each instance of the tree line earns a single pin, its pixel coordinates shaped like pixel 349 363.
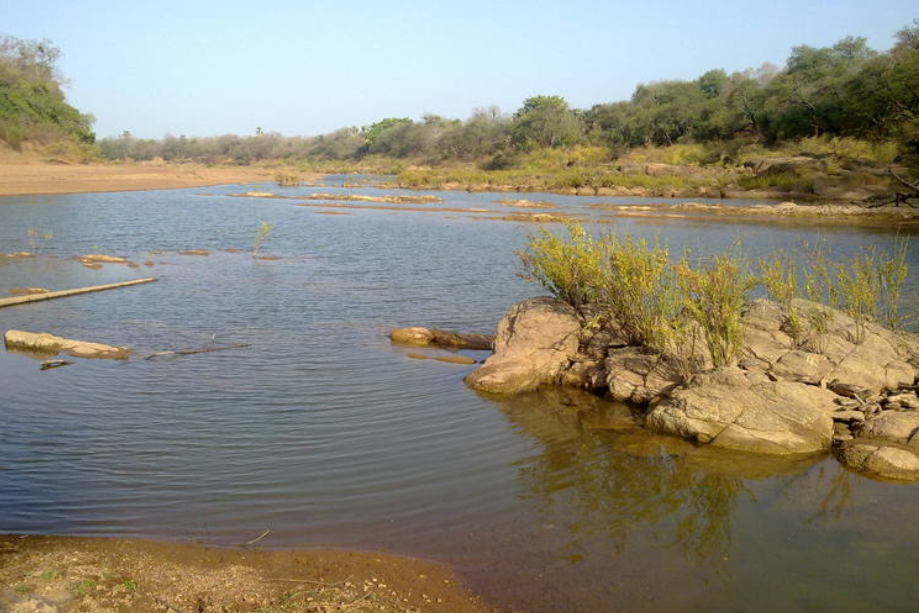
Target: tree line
pixel 844 90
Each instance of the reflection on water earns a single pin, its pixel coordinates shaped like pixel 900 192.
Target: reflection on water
pixel 330 436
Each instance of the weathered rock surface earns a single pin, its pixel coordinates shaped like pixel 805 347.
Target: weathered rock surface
pixel 534 344
pixel 48 344
pixel 724 409
pixel 637 375
pixel 893 426
pixel 880 459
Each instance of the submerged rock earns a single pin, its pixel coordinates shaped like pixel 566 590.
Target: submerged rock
pixel 48 344
pixel 535 343
pixel 104 259
pixel 28 291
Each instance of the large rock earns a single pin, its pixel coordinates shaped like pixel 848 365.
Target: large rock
pixel 535 343
pixel 724 409
pixel 880 459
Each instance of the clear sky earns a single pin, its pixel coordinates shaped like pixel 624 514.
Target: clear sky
pixel 307 67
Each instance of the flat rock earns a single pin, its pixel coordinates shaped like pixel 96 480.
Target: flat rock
pixel 49 344
pixel 849 417
pixel 105 259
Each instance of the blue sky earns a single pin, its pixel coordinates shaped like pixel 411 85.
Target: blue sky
pixel 302 68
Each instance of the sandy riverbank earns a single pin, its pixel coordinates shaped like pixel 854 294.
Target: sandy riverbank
pixel 29 178
pixel 51 574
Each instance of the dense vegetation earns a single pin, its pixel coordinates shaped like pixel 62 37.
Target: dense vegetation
pixel 32 103
pixel 844 97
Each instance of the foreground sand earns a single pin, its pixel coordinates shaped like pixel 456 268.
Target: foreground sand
pixel 48 574
pixel 42 178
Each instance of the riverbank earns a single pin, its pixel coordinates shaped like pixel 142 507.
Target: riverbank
pixel 48 574
pixel 39 178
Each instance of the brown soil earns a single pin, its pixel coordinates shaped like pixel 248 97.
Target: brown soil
pixel 50 574
pixel 17 179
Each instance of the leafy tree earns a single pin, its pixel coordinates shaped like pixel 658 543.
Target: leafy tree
pixel 545 121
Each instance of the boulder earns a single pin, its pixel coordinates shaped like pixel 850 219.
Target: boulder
pixel 724 409
pixel 880 459
pixel 535 342
pixel 51 345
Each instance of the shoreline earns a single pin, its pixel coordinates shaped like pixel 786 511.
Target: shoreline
pixel 43 179
pixel 62 573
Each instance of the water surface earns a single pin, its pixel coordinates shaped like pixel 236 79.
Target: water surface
pixel 328 435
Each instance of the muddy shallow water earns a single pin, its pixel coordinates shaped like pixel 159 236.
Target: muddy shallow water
pixel 328 435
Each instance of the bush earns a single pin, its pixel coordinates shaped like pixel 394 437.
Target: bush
pixel 714 293
pixel 571 270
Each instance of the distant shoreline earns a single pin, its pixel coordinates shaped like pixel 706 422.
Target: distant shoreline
pixel 34 178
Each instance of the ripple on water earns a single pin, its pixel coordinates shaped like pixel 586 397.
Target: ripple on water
pixel 329 435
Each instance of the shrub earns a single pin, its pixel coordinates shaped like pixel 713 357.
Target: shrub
pixel 637 288
pixel 261 235
pixel 714 294
pixel 570 270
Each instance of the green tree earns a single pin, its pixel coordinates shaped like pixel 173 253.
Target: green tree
pixel 545 121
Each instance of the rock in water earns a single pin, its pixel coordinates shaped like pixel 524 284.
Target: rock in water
pixel 880 459
pixel 535 343
pixel 51 345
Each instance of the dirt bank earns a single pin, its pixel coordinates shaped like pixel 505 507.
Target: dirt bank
pixel 19 179
pixel 50 574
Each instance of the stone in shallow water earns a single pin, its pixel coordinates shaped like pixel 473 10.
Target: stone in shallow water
pixel 880 459
pixel 49 344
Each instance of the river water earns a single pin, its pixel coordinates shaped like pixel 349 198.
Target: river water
pixel 328 435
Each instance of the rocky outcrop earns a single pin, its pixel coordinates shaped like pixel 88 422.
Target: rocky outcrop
pixel 791 391
pixel 535 343
pixel 48 344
